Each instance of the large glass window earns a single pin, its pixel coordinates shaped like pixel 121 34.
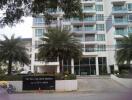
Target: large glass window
pixel 38 20
pixel 101 48
pixel 89 37
pixel 102 65
pixel 39 32
pixel 100 37
pixel 85 66
pixel 100 17
pixel 99 7
pixel 130 6
pixel 100 27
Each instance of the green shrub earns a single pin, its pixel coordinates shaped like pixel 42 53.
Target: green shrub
pixel 19 77
pixel 10 78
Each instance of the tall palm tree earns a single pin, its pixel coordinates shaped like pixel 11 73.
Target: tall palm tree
pixel 59 43
pixel 12 51
pixel 124 52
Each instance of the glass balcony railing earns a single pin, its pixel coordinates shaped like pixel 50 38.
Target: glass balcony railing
pixel 85 19
pixel 121 32
pixel 116 9
pixel 89 29
pixel 89 49
pixel 120 21
pixel 130 30
pixel 90 19
pixel 89 9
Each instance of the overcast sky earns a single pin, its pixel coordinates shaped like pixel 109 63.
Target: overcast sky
pixel 24 30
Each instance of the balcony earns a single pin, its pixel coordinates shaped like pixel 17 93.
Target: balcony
pixel 88 1
pixel 118 1
pixel 119 10
pixel 89 10
pixel 89 51
pixel 48 62
pixel 129 30
pixel 120 22
pixel 86 21
pixel 90 29
pixel 121 32
pixel 89 20
pixel 78 30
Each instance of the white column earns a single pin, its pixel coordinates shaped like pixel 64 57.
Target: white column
pixel 58 69
pixel 108 69
pixel 72 66
pixel 116 67
pixel 97 66
pixel 58 66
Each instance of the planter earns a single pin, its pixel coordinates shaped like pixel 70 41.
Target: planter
pixel 124 81
pixel 66 85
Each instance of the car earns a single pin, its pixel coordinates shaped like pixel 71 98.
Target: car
pixel 25 72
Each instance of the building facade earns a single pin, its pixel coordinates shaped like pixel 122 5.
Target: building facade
pixel 104 22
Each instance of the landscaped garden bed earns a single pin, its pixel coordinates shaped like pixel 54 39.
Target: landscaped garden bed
pixel 63 82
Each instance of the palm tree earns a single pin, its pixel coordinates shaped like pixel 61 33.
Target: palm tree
pixel 61 44
pixel 124 52
pixel 12 51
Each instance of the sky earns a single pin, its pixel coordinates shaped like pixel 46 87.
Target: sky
pixel 23 30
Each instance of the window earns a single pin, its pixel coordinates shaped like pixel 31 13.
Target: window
pixel 100 27
pixel 89 37
pixel 36 56
pixel 99 7
pixel 37 43
pixel 102 65
pixel 101 47
pixel 100 17
pixel 38 20
pixel 130 6
pixel 39 32
pixel 130 17
pixel 100 37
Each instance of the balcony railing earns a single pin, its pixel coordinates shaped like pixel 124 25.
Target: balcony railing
pixel 130 30
pixel 89 9
pixel 77 29
pixel 90 19
pixel 120 21
pixel 89 29
pixel 119 9
pixel 121 32
pixel 89 49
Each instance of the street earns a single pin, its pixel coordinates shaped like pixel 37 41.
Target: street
pixel 72 96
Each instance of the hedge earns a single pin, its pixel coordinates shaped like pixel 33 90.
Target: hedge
pixel 19 77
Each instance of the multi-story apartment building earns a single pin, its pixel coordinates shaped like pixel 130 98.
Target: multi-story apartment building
pixel 103 23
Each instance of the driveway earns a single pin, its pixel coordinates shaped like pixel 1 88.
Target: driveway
pixel 99 84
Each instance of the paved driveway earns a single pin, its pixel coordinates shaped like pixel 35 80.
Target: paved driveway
pixel 99 84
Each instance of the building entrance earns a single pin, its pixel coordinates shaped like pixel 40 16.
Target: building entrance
pixel 85 66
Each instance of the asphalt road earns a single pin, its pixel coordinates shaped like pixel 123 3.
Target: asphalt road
pixel 72 96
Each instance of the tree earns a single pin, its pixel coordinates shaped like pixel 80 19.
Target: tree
pixel 12 51
pixel 124 52
pixel 14 10
pixel 59 43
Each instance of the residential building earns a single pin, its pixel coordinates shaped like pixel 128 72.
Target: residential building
pixel 99 32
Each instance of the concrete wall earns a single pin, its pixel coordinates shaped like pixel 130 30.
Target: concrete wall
pixel 17 85
pixel 124 81
pixel 66 85
pixel 61 85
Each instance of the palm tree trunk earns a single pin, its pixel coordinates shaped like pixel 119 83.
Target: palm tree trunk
pixel 61 65
pixel 9 67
